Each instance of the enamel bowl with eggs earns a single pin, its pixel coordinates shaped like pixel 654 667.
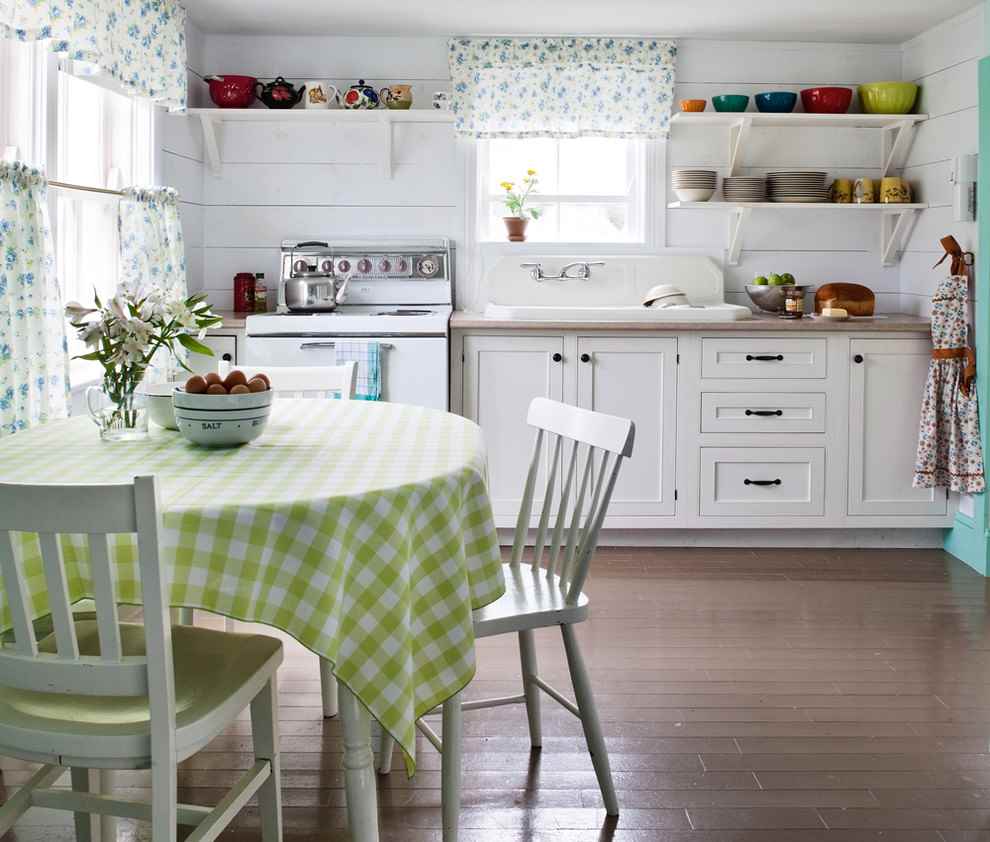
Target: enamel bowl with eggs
pixel 221 419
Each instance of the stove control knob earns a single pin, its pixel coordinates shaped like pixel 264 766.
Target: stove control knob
pixel 402 265
pixel 428 266
pixel 384 265
pixel 326 266
pixel 343 265
pixel 300 266
pixel 364 266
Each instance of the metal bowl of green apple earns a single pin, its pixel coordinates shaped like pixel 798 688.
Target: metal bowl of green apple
pixel 767 291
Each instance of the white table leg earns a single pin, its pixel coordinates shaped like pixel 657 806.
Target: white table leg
pixel 107 824
pixel 359 769
pixel 328 690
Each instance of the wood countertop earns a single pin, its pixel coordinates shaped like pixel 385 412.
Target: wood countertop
pixel 881 323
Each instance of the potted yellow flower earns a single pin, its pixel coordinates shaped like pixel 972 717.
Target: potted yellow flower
pixel 515 203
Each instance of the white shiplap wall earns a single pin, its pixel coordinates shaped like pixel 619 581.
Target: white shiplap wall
pixel 282 181
pixel 943 61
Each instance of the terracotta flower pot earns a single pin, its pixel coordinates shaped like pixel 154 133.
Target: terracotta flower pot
pixel 516 228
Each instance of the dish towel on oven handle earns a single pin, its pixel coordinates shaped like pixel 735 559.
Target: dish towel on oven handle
pixel 368 356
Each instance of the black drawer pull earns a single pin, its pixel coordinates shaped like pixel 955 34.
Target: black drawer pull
pixel 761 482
pixel 765 358
pixel 764 413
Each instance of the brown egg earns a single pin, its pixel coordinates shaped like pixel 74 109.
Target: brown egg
pixel 235 378
pixel 212 378
pixel 256 384
pixel 216 389
pixel 196 385
pixel 240 389
pixel 260 376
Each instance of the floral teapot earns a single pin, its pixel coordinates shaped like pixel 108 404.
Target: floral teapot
pixel 360 96
pixel 279 94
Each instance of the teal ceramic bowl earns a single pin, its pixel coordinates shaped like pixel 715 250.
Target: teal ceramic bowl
pixel 888 97
pixel 730 102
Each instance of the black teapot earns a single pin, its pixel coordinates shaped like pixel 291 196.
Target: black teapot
pixel 279 94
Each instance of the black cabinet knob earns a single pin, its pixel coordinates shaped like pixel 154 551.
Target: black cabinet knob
pixel 227 358
pixel 557 357
pixel 858 358
pixel 586 358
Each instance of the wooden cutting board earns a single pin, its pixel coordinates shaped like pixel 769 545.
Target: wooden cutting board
pixel 857 299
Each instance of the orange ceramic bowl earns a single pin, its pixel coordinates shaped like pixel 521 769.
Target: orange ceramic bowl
pixel 693 104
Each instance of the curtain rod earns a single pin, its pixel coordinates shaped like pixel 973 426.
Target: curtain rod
pixel 64 185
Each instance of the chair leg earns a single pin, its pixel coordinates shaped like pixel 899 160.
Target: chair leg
pixel 589 719
pixel 328 689
pixel 450 766
pixel 164 803
pixel 108 824
pixel 83 821
pixel 264 731
pixel 386 748
pixel 527 658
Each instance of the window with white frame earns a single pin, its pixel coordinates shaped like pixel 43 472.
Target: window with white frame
pixel 21 102
pixel 591 189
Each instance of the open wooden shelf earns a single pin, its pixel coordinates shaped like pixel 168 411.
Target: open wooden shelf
pixel 848 208
pixel 759 118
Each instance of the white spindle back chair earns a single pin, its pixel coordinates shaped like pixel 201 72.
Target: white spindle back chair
pixel 304 381
pixel 115 661
pixel 589 447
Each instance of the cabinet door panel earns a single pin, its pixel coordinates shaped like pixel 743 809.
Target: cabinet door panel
pixel 885 391
pixel 502 375
pixel 224 348
pixel 636 378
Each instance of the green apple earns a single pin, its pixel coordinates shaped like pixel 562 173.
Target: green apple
pixel 777 281
pixel 788 278
pixel 760 281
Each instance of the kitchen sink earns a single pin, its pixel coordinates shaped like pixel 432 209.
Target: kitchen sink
pixel 681 313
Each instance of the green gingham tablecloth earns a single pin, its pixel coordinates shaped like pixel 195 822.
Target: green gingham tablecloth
pixel 364 530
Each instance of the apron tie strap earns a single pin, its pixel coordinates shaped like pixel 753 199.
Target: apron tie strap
pixel 969 369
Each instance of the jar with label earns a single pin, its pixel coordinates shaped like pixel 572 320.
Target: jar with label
pixel 244 292
pixel 793 302
pixel 260 293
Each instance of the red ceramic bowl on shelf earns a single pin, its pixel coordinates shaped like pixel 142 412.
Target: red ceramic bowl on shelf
pixel 229 91
pixel 826 100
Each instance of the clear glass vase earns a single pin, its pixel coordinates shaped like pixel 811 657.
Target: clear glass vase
pixel 118 410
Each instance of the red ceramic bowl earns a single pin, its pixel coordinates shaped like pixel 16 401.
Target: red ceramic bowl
pixel 826 100
pixel 229 91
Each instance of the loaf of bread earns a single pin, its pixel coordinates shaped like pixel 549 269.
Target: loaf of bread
pixel 856 299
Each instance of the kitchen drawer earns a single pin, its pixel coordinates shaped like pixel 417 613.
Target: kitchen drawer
pixel 762 481
pixel 763 358
pixel 763 412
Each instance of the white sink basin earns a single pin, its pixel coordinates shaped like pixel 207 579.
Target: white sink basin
pixel 621 313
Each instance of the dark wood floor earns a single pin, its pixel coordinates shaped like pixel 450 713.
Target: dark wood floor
pixel 747 696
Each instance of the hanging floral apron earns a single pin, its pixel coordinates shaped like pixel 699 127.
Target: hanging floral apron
pixel 949 450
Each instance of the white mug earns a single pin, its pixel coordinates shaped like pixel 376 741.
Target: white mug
pixel 319 94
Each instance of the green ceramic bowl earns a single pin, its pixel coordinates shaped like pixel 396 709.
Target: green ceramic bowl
pixel 888 97
pixel 730 102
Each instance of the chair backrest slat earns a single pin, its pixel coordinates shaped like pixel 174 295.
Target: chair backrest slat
pixel 302 381
pixel 58 597
pixel 608 434
pixel 18 603
pixel 107 618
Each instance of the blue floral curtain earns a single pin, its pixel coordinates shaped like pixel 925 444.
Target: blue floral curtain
pixel 562 87
pixel 141 43
pixel 34 362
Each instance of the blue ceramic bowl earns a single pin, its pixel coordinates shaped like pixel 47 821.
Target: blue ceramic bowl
pixel 776 102
pixel 730 102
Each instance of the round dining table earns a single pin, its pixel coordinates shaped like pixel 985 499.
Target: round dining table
pixel 362 529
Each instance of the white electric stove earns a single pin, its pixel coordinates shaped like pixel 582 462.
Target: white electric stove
pixel 400 296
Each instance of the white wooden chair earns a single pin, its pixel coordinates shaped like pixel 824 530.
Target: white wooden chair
pixel 307 381
pixel 547 592
pixel 303 381
pixel 100 694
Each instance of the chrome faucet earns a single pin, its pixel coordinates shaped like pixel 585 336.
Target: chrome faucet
pixel 583 272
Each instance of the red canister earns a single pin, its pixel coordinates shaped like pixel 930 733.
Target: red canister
pixel 244 292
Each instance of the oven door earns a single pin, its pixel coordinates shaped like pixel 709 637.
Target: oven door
pixel 414 368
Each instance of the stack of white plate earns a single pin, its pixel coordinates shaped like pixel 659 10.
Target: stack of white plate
pixel 797 187
pixel 694 185
pixel 743 188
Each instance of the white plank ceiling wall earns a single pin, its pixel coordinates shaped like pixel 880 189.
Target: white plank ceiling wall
pixel 282 181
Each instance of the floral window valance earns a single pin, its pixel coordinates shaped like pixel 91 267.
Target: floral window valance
pixel 562 87
pixel 140 43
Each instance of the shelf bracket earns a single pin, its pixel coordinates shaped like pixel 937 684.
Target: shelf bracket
pixel 737 222
pixel 737 137
pixel 896 141
pixel 211 145
pixel 894 228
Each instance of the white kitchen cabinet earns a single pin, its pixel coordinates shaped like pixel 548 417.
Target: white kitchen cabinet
pixel 502 375
pixel 224 348
pixel 762 481
pixel 636 377
pixel 886 381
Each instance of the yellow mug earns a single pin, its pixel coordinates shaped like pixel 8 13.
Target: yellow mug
pixel 841 191
pixel 864 191
pixel 894 190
